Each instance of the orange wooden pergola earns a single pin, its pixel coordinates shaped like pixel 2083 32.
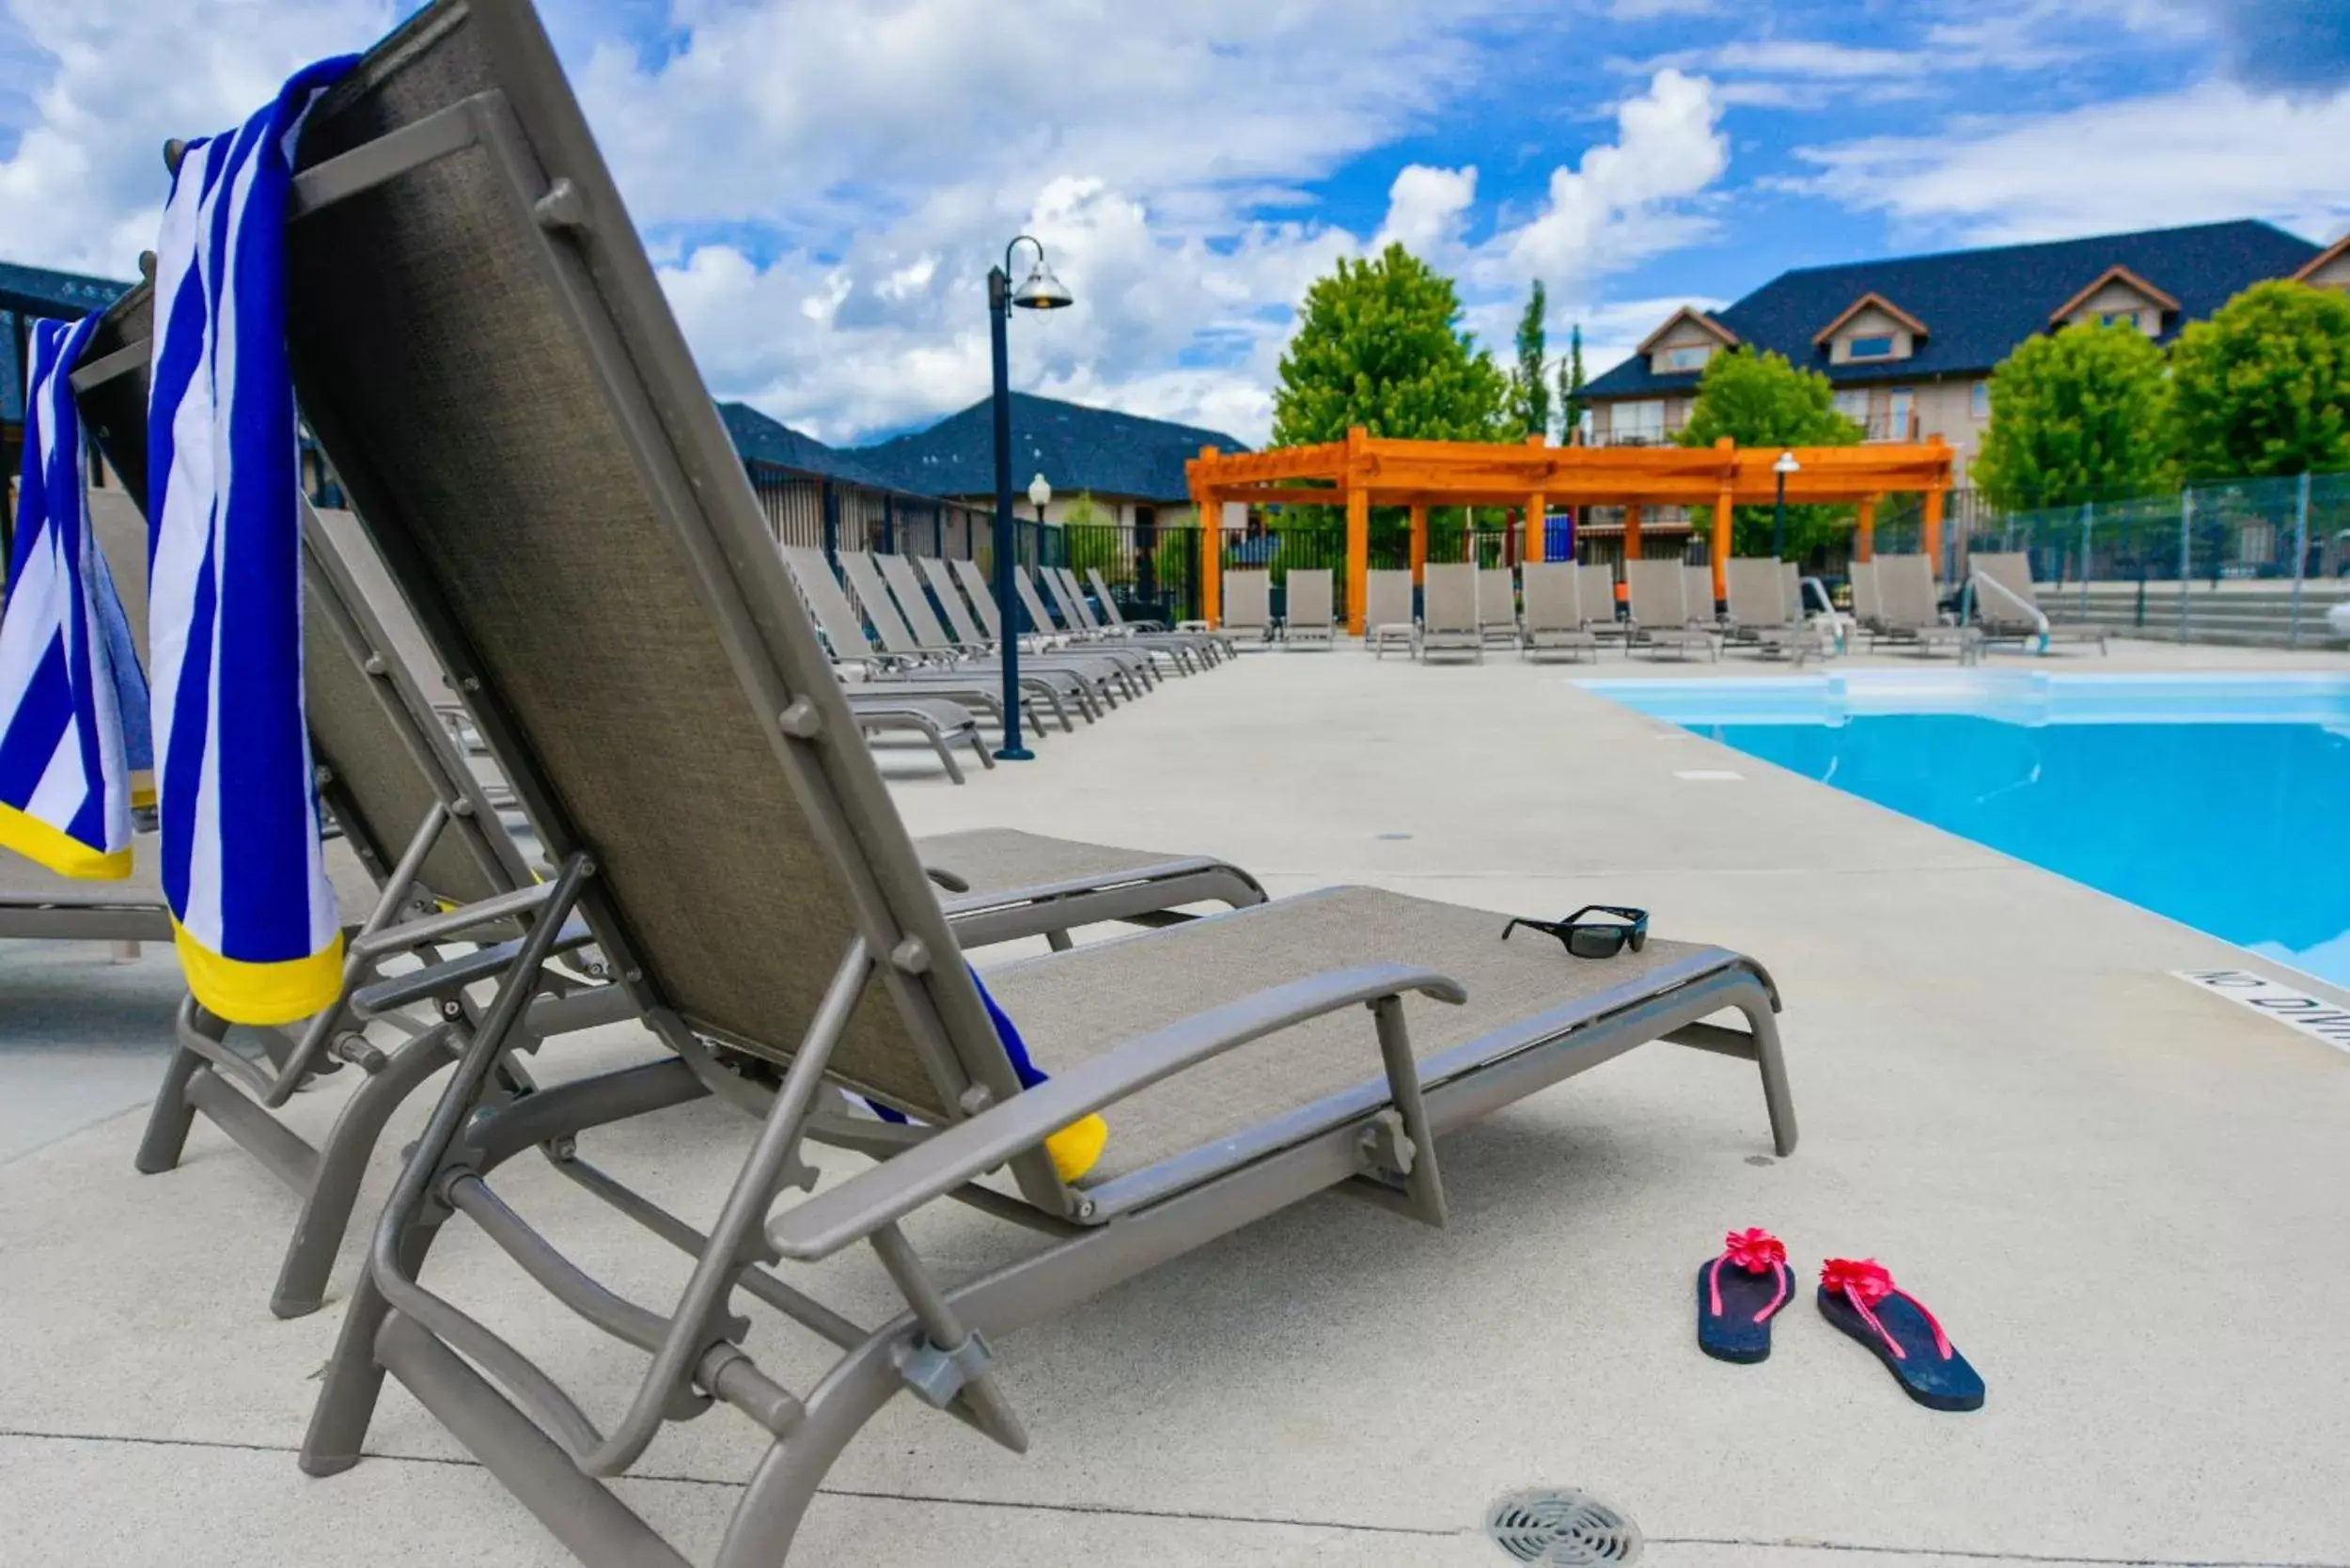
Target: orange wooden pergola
pixel 1364 471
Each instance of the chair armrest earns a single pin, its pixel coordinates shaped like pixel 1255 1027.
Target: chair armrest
pixel 847 1214
pixel 436 981
pixel 452 923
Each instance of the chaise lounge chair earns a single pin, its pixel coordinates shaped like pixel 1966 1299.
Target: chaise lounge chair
pixel 1185 653
pixel 1554 625
pixel 1498 605
pixel 1448 613
pixel 1660 617
pixel 1595 595
pixel 2008 607
pixel 1248 609
pixel 1387 612
pixel 1346 1032
pixel 1310 621
pixel 1762 616
pixel 1215 643
pixel 1907 612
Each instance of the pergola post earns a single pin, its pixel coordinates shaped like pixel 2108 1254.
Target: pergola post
pixel 1537 505
pixel 1718 552
pixel 1865 544
pixel 1210 507
pixel 1419 542
pixel 1358 526
pixel 1632 533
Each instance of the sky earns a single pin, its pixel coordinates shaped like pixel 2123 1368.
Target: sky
pixel 823 183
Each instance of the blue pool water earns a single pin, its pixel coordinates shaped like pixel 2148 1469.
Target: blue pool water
pixel 2223 803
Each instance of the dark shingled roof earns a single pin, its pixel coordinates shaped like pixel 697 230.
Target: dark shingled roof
pixel 40 291
pixel 760 439
pixel 1978 305
pixel 1073 446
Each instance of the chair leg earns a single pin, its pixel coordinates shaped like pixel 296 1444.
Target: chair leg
pixel 325 1216
pixel 766 1520
pixel 1777 1097
pixel 167 1123
pixel 355 1379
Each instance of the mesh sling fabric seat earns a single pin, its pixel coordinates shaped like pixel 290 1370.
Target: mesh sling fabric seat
pixel 1907 613
pixel 1447 618
pixel 1247 607
pixel 1498 604
pixel 1760 614
pixel 1660 617
pixel 1214 644
pixel 1310 621
pixel 1553 625
pixel 2008 607
pixel 518 494
pixel 1697 595
pixel 1185 653
pixel 1073 640
pixel 1110 678
pixel 1595 595
pixel 1387 610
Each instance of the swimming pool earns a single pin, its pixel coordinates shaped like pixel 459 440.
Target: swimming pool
pixel 2219 801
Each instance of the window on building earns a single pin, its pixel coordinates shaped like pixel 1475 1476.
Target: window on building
pixel 1639 422
pixel 1853 406
pixel 1691 358
pixel 1978 403
pixel 1899 404
pixel 1875 346
pixel 2119 317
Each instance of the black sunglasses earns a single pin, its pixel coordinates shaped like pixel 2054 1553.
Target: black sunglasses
pixel 1593 939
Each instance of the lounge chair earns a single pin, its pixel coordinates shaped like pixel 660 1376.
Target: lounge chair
pixel 1448 613
pixel 2008 607
pixel 1388 611
pixel 1866 613
pixel 1058 639
pixel 1761 614
pixel 1085 682
pixel 1498 605
pixel 1184 653
pixel 1697 595
pixel 1219 645
pixel 1113 677
pixel 1310 621
pixel 913 671
pixel 1660 617
pixel 1356 1029
pixel 1907 614
pixel 1247 605
pixel 1553 613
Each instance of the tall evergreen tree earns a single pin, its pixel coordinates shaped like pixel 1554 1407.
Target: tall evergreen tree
pixel 1529 394
pixel 1571 389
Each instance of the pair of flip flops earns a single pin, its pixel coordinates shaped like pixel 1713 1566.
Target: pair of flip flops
pixel 1750 1283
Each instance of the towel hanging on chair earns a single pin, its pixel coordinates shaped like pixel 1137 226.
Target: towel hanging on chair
pixel 65 777
pixel 243 868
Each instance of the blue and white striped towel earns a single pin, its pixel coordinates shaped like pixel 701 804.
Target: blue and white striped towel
pixel 65 777
pixel 243 868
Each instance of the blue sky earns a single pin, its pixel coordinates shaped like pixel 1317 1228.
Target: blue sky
pixel 824 182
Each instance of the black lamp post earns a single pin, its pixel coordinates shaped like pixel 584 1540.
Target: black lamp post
pixel 1784 466
pixel 1042 291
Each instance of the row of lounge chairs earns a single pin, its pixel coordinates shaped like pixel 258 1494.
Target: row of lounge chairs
pixel 1563 610
pixel 1896 604
pixel 718 857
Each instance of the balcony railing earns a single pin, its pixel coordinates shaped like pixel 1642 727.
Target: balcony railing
pixel 1639 436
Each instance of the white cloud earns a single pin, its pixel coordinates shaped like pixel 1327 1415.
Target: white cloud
pixel 1427 208
pixel 2212 151
pixel 84 187
pixel 1624 200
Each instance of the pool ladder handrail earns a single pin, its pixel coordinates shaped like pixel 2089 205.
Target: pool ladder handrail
pixel 2031 612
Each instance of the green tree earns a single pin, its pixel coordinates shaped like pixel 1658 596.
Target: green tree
pixel 1379 344
pixel 1571 389
pixel 1529 394
pixel 2082 416
pixel 1764 400
pixel 2263 386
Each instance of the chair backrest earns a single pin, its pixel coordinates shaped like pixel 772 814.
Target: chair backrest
pixel 1905 591
pixel 844 631
pixel 981 597
pixel 880 610
pixel 1697 591
pixel 1387 598
pixel 1248 599
pixel 1496 596
pixel 517 417
pixel 1552 602
pixel 941 577
pixel 906 588
pixel 1072 599
pixel 1447 598
pixel 2012 572
pixel 1866 606
pixel 1039 618
pixel 1791 589
pixel 370 680
pixel 1309 597
pixel 1101 592
pixel 1595 594
pixel 1755 591
pixel 1654 590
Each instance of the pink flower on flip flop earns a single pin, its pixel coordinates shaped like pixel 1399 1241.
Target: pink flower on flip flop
pixel 1865 1279
pixel 1754 1249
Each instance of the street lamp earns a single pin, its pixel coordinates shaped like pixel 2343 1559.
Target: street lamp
pixel 1784 466
pixel 1042 291
pixel 1040 497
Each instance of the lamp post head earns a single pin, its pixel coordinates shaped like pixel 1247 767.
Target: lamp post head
pixel 1040 494
pixel 1786 465
pixel 1042 291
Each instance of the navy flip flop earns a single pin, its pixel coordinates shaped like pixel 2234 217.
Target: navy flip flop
pixel 1739 1293
pixel 1858 1297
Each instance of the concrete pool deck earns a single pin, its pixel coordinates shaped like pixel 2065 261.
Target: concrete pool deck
pixel 2124 1195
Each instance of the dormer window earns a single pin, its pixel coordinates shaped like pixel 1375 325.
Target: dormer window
pixel 1686 342
pixel 1875 346
pixel 2116 297
pixel 1692 357
pixel 1871 328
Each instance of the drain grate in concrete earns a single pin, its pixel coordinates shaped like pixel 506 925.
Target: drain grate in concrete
pixel 1562 1529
